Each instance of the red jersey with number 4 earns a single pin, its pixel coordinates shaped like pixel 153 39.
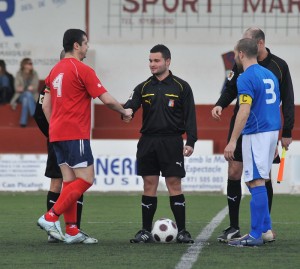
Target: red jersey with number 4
pixel 72 85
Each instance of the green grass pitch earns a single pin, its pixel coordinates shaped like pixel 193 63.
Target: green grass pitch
pixel 115 218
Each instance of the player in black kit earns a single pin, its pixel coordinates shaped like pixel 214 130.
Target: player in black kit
pixel 168 113
pixel 281 70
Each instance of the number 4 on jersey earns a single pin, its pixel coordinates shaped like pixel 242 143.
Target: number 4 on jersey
pixel 57 84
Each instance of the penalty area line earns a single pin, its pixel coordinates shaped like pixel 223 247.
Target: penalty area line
pixel 190 257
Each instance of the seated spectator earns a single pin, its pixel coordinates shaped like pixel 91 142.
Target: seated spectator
pixel 6 84
pixel 26 90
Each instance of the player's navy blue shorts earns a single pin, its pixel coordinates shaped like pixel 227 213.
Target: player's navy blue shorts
pixel 52 168
pixel 163 154
pixel 74 153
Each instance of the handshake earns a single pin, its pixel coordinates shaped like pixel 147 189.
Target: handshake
pixel 127 115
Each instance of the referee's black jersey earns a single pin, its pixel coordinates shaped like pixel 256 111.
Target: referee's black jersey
pixel 168 107
pixel 281 70
pixel 39 115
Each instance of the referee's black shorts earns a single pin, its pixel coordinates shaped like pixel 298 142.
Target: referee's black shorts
pixel 238 155
pixel 160 154
pixel 52 168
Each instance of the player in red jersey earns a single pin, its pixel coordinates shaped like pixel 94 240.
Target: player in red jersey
pixel 67 106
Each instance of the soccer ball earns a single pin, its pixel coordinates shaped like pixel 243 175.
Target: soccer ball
pixel 164 230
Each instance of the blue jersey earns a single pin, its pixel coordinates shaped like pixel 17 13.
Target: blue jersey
pixel 262 85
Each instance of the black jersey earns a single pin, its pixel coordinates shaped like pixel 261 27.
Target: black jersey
pixel 281 70
pixel 39 115
pixel 168 107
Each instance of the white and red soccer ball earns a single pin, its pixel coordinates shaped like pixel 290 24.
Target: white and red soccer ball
pixel 164 231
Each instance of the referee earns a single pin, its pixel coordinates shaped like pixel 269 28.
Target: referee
pixel 168 112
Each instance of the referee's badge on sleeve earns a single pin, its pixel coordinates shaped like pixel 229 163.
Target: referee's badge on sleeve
pixel 230 75
pixel 41 99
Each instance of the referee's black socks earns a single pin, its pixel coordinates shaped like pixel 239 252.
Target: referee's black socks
pixel 177 204
pixel 51 199
pixel 149 205
pixel 234 195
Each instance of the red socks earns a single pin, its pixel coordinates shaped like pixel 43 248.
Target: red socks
pixel 70 216
pixel 71 229
pixel 67 202
pixel 51 216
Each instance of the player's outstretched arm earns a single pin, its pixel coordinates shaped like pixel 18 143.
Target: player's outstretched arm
pixel 113 104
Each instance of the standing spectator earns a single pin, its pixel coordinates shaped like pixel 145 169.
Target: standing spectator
pixel 168 113
pixel 258 119
pixel 6 84
pixel 26 87
pixel 71 85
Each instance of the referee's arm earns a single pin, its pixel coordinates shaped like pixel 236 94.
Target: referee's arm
pixel 47 108
pixel 190 117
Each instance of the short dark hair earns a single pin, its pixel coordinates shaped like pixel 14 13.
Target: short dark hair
pixel 62 54
pixel 256 33
pixel 163 50
pixel 248 46
pixel 72 36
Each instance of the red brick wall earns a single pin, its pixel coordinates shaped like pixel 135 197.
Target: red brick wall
pixel 108 125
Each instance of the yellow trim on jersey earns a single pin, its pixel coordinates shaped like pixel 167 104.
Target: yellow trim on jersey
pixel 178 83
pixel 171 95
pixel 145 85
pixel 278 69
pixel 146 95
pixel 245 99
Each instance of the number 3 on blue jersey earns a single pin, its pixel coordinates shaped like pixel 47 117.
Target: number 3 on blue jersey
pixel 57 84
pixel 270 90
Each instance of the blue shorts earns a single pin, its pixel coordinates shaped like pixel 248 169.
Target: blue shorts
pixel 74 153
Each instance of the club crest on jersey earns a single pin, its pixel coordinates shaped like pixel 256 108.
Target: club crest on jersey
pixel 171 103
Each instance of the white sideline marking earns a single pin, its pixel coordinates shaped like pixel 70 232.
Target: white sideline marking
pixel 190 257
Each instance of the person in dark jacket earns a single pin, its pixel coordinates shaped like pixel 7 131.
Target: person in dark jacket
pixel 6 84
